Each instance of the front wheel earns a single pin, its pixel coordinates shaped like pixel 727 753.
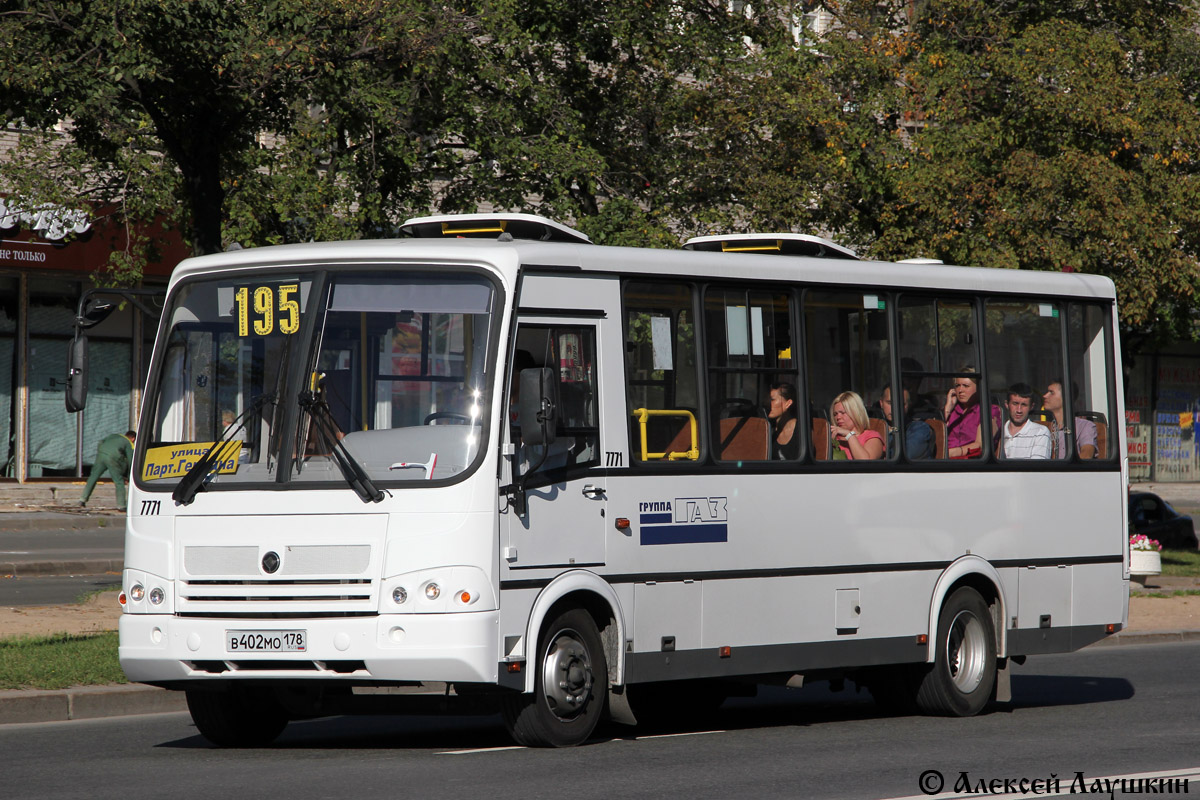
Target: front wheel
pixel 963 674
pixel 570 686
pixel 237 718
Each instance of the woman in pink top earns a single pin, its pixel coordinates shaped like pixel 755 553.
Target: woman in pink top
pixel 964 434
pixel 849 430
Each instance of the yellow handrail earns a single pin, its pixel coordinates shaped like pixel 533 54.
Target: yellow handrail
pixel 643 416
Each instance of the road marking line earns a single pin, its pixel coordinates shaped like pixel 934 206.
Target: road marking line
pixel 673 735
pixel 1064 782
pixel 518 747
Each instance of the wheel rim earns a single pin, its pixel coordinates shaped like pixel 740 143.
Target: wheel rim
pixel 567 675
pixel 966 652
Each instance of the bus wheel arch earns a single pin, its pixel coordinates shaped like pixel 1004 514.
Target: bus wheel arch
pixel 980 575
pixel 587 591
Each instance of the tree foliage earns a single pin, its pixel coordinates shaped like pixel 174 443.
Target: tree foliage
pixel 1057 136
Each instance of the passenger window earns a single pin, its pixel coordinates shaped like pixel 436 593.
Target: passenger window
pixel 750 361
pixel 938 348
pixel 1089 395
pixel 847 344
pixel 1025 365
pixel 570 351
pixel 661 373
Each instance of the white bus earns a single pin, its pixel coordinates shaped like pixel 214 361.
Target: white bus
pixel 497 465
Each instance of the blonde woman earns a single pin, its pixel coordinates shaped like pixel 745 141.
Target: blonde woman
pixel 849 430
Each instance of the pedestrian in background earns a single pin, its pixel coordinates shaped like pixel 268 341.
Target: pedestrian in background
pixel 113 455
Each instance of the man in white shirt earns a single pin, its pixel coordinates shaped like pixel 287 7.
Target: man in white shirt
pixel 1023 438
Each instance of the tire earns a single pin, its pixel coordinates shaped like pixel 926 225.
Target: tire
pixel 570 686
pixel 237 718
pixel 963 675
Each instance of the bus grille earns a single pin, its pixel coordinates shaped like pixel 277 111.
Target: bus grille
pixel 355 596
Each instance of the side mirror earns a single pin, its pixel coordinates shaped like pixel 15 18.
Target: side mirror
pixel 77 378
pixel 537 406
pixel 96 312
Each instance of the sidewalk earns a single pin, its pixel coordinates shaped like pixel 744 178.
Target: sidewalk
pixel 49 507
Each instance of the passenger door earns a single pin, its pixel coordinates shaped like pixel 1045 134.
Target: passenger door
pixel 563 521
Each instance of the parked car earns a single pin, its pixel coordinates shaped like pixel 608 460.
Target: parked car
pixel 1153 516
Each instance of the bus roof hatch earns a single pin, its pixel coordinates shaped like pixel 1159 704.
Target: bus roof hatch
pixel 491 226
pixel 780 244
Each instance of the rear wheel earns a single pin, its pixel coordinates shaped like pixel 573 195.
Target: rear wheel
pixel 237 718
pixel 570 686
pixel 963 675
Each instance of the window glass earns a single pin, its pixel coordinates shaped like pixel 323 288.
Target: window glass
pixel 751 375
pixel 939 358
pixel 663 392
pixel 400 376
pixel 570 351
pixel 9 293
pixel 1024 357
pixel 108 396
pixel 849 366
pixel 1089 393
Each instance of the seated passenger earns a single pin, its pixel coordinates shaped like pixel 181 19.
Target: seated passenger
pixel 854 440
pixel 785 444
pixel 918 436
pixel 964 434
pixel 1086 438
pixel 1023 438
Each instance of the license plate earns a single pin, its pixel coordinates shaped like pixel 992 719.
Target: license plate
pixel 266 641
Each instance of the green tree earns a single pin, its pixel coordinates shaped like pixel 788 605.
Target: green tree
pixel 175 96
pixel 1041 135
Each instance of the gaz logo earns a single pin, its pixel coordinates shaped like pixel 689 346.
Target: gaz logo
pixel 701 509
pixel 684 520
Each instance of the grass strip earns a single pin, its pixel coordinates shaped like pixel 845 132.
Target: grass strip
pixel 1176 593
pixel 57 662
pixel 1181 563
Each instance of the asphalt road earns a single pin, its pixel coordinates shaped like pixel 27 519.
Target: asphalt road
pixel 65 546
pixel 1103 712
pixel 53 590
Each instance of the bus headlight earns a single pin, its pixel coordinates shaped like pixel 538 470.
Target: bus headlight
pixel 436 590
pixel 137 592
pixel 156 596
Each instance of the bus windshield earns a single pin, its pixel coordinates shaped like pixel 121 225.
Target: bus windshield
pixel 286 379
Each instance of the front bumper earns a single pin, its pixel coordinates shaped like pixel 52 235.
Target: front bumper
pixel 458 647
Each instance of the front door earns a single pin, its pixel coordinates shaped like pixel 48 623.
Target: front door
pixel 563 523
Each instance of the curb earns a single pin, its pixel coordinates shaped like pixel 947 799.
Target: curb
pixel 42 569
pixel 1128 638
pixel 65 522
pixel 91 702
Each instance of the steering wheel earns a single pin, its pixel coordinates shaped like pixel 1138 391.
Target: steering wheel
pixel 462 419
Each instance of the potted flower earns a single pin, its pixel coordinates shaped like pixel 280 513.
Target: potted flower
pixel 1145 556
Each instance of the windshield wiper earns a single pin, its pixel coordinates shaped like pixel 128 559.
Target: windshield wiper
pixel 221 450
pixel 327 431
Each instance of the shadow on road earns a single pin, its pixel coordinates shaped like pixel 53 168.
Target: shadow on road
pixel 1040 691
pixel 773 707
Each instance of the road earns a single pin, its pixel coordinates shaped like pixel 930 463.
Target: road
pixel 66 547
pixel 1104 712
